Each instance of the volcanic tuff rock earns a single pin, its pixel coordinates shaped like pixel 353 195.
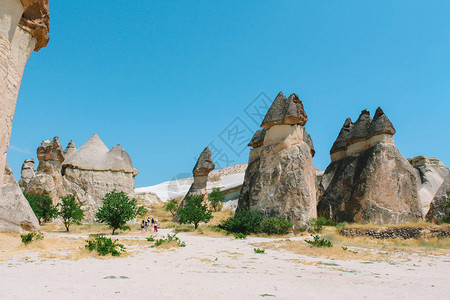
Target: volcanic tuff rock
pixel 368 179
pixel 201 170
pixel 89 172
pixel 16 214
pixel 28 171
pixel 16 45
pixel 280 178
pixel 434 186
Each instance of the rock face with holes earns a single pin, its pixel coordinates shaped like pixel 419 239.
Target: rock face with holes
pixel 16 214
pixel 24 27
pixel 434 187
pixel 368 179
pixel 201 170
pixel 88 172
pixel 280 179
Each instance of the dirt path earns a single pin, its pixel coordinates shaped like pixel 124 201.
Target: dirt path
pixel 222 268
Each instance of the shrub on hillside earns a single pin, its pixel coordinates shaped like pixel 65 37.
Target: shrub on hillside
pixel 104 245
pixel 316 225
pixel 42 206
pixel 216 199
pixel 70 211
pixel 117 210
pixel 194 211
pixel 275 225
pixel 28 238
pixel 246 222
pixel 171 206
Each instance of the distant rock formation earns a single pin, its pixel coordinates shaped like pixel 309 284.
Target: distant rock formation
pixel 434 188
pixel 27 173
pixel 88 172
pixel 24 27
pixel 16 214
pixel 368 179
pixel 201 170
pixel 280 179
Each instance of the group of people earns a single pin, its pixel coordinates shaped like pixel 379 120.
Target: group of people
pixel 146 223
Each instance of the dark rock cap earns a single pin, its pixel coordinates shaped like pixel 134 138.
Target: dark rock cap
pixel 36 20
pixel 204 164
pixel 285 111
pixel 257 139
pixel 360 129
pixel 381 124
pixel 50 150
pixel 341 141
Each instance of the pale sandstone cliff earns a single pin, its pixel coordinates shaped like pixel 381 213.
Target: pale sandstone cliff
pixel 24 27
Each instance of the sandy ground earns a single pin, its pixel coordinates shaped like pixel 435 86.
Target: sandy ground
pixel 219 268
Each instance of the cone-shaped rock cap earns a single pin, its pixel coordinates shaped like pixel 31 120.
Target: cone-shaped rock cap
pixel 258 139
pixel 341 141
pixel 381 124
pixel 204 164
pixel 119 160
pixel 285 111
pixel 70 149
pixel 360 129
pixel 50 150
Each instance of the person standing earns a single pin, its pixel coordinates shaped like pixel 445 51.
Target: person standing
pixel 155 225
pixel 142 225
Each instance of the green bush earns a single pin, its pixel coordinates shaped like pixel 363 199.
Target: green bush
pixel 42 206
pixel 117 210
pixel 275 225
pixel 28 238
pixel 104 245
pixel 151 238
pixel 246 222
pixel 169 239
pixel 194 211
pixel 171 206
pixel 238 235
pixel 70 211
pixel 258 250
pixel 316 225
pixel 318 242
pixel 216 199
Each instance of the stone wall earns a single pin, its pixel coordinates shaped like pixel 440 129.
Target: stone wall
pixel 397 232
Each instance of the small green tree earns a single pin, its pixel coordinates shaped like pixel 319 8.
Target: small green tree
pixel 171 206
pixel 216 199
pixel 194 211
pixel 70 211
pixel 117 210
pixel 42 206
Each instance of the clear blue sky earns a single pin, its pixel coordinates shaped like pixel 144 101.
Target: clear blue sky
pixel 166 79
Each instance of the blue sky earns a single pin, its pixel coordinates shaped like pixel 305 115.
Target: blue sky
pixel 165 79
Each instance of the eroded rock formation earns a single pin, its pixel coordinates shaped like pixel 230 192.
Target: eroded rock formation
pixel 15 211
pixel 27 173
pixel 201 170
pixel 434 187
pixel 280 178
pixel 88 172
pixel 24 27
pixel 368 179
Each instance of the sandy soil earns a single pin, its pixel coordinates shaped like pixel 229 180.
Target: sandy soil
pixel 212 268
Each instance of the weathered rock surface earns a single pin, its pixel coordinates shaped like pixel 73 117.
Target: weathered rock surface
pixel 201 170
pixel 16 45
pixel 16 214
pixel 369 181
pixel 280 179
pixel 27 173
pixel 89 172
pixel 434 186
